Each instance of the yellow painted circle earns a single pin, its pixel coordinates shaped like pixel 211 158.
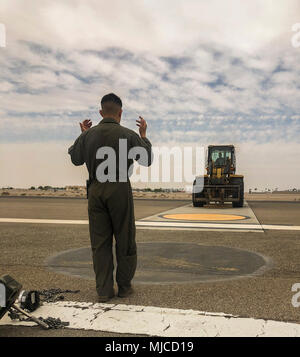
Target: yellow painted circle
pixel 203 217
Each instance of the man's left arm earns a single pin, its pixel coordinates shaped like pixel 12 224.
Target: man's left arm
pixel 144 142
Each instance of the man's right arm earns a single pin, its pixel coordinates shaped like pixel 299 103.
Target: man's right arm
pixel 76 152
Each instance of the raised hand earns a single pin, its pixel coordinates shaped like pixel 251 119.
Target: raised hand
pixel 142 124
pixel 85 125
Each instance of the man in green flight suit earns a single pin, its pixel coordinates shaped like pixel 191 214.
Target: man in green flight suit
pixel 108 150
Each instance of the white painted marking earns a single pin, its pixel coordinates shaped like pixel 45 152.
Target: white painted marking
pixel 198 225
pixel 159 224
pixel 42 221
pixel 156 321
pixel 280 227
pixel 245 226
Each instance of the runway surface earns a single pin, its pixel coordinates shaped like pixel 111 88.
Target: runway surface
pixel 268 295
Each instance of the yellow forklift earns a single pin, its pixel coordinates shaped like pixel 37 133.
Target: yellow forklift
pixel 221 184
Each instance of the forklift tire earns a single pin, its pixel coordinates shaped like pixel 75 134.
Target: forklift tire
pixel 198 204
pixel 195 203
pixel 239 203
pixel 199 195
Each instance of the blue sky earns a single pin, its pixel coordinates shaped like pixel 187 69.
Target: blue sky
pixel 197 71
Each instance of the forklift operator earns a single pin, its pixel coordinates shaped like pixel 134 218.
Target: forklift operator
pixel 220 160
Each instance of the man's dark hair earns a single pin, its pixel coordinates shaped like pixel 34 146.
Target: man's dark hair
pixel 111 104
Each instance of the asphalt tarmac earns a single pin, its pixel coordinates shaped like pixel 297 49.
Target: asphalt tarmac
pixel 25 247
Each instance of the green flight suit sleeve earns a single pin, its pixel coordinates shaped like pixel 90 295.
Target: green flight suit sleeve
pixel 137 141
pixel 76 152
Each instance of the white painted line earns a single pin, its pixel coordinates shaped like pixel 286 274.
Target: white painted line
pixel 280 227
pixel 159 224
pixel 198 225
pixel 42 221
pixel 203 229
pixel 156 321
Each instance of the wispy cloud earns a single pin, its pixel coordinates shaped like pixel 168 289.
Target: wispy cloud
pixel 197 93
pixel 198 72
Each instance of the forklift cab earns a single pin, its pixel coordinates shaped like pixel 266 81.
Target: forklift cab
pixel 221 157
